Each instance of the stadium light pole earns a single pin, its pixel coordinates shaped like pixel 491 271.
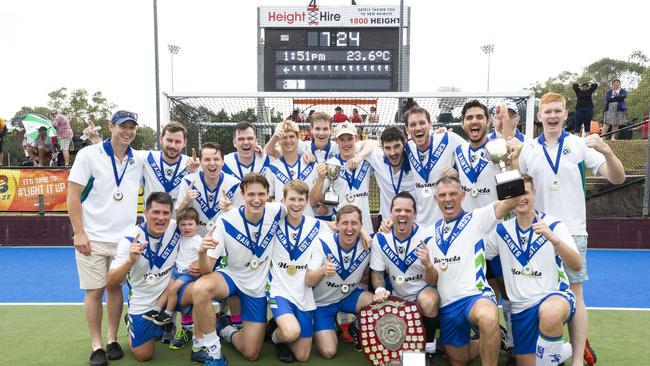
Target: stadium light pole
pixel 155 46
pixel 173 50
pixel 488 49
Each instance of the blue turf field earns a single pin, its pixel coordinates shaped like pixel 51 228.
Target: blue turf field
pixel 50 275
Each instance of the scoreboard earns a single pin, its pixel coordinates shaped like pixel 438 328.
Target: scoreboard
pixel 349 48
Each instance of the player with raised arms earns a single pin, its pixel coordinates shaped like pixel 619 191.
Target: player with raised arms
pixel 403 255
pixel 532 247
pixel 335 270
pixel 209 190
pixel 555 160
pixel 145 257
pixel 457 253
pixel 430 157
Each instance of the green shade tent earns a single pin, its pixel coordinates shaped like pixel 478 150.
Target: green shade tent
pixel 32 122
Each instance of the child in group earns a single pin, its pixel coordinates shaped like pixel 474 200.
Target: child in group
pixel 188 221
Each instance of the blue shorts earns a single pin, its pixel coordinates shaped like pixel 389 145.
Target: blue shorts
pixel 525 325
pixel 253 309
pixel 455 326
pixel 182 275
pixel 325 316
pixel 141 330
pixel 280 306
pixel 185 310
pixel 494 268
pixel 581 275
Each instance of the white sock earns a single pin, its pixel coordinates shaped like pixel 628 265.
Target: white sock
pixel 567 351
pixel 507 316
pixel 228 332
pixel 430 347
pixel 274 337
pixel 549 351
pixel 170 313
pixel 157 309
pixel 212 345
pixel 197 343
pixel 342 318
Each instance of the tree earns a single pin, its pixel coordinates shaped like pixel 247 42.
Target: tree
pixel 638 100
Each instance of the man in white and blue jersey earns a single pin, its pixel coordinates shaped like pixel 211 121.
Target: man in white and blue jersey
pixel 335 270
pixel 246 159
pixel 246 235
pixel 398 254
pixel 507 127
pixel 533 248
pixel 392 170
pixel 290 165
pixel 145 258
pixel 290 299
pixel 207 190
pixel 430 157
pixel 457 253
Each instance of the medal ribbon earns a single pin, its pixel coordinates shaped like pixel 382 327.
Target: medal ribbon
pixel 354 262
pixel 109 150
pixel 461 221
pixel 246 240
pixel 393 256
pixel 349 176
pixel 434 156
pixel 162 178
pixel 555 166
pixel 152 257
pixel 210 210
pixel 404 168
pixel 472 173
pixel 326 150
pixel 296 250
pixel 522 255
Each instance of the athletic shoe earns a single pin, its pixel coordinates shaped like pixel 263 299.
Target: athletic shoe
pixel 353 329
pixel 512 361
pixel 162 319
pixel 150 315
pixel 98 358
pixel 183 336
pixel 503 337
pixel 271 326
pixel 222 322
pixel 223 361
pixel 199 355
pixel 590 355
pixel 345 333
pixel 169 330
pixel 114 351
pixel 284 353
pixel 430 359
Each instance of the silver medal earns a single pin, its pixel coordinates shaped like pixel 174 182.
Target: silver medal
pixel 399 280
pixel 527 270
pixel 254 264
pixel 150 279
pixel 117 195
pixel 349 197
pixel 443 265
pixel 210 225
pixel 426 192
pixel 555 185
pixel 345 289
pixel 474 192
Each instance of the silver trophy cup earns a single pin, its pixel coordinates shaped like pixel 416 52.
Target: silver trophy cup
pixel 331 198
pixel 509 182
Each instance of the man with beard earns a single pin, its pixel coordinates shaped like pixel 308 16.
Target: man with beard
pixel 430 157
pixel 245 160
pixel 290 166
pixel 335 270
pixel 404 256
pixel 209 190
pixel 466 300
pixel 102 203
pixel 392 170
pixel 555 161
pixel 145 258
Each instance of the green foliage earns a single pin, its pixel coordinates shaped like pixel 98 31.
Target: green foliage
pixel 638 100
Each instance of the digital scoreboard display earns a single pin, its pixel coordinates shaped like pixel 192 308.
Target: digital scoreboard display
pixel 327 50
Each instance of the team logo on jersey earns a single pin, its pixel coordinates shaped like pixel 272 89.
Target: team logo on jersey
pixel 566 151
pixel 447 229
pixel 131 161
pixel 256 235
pixel 169 171
pixel 346 259
pixel 211 197
pixel 401 249
pixel 472 158
pixel 294 236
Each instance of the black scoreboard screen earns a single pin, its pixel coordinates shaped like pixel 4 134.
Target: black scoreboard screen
pixel 331 59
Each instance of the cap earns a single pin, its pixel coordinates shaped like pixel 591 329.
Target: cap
pixel 344 128
pixel 513 106
pixel 124 116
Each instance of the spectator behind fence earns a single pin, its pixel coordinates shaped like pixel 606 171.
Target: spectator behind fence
pixel 63 133
pixel 339 116
pixel 3 132
pixel 41 147
pixel 615 107
pixel 584 106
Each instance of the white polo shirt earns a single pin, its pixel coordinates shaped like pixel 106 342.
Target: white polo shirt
pixel 233 167
pixel 531 268
pixel 247 245
pixel 93 169
pixel 353 188
pixel 561 194
pixel 457 253
pixel 427 167
pixel 156 262
pixel 389 182
pixel 350 266
pixel 280 173
pixel 400 260
pixel 476 173
pixel 207 202
pixel 162 177
pixel 290 257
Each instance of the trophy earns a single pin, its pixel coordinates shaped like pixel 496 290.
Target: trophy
pixel 509 182
pixel 331 198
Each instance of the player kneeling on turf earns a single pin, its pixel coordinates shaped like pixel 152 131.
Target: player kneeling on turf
pixel 146 255
pixel 533 247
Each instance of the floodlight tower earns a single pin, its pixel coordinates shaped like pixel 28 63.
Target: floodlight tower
pixel 488 49
pixel 173 50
